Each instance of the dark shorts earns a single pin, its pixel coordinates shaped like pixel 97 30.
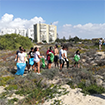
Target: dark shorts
pixel 61 61
pixel 76 63
pixel 49 61
pixel 56 58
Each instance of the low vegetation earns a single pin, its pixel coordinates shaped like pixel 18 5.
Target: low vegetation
pixel 37 89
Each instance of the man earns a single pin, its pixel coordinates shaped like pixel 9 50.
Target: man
pixel 65 57
pixel 56 55
pixel 61 57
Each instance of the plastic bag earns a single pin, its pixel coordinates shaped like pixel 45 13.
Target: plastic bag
pixel 43 62
pixel 76 58
pixel 31 61
pixel 52 57
pixel 20 68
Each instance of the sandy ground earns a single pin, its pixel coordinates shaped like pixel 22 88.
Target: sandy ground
pixel 75 97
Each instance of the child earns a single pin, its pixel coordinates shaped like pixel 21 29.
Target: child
pixel 77 58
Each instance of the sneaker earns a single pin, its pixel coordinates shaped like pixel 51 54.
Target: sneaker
pixel 38 73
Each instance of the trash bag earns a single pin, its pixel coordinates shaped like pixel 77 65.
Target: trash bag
pixel 20 68
pixel 76 58
pixel 31 61
pixel 43 62
pixel 52 57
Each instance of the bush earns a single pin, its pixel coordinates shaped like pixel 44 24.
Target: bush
pixel 14 41
pixel 92 89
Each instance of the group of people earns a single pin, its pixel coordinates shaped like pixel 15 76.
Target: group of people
pixel 101 42
pixel 33 59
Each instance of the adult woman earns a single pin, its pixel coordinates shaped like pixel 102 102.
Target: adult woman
pixel 37 59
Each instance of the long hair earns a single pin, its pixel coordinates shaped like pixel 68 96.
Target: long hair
pixel 35 49
pixel 77 52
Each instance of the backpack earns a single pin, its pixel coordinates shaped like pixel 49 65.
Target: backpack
pixel 76 58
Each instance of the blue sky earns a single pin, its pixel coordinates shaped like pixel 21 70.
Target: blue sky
pixel 82 18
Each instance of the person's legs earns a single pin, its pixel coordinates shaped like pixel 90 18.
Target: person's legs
pixel 35 65
pixel 78 66
pixel 75 64
pixel 61 63
pixel 29 67
pixel 38 66
pixel 49 66
pixel 99 46
pixel 67 64
pixel 55 60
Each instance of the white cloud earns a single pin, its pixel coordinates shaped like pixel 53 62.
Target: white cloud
pixel 7 21
pixel 67 25
pixel 88 31
pixel 55 23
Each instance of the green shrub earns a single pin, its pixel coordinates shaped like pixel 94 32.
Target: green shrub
pixel 4 80
pixel 92 89
pixel 11 87
pixel 14 41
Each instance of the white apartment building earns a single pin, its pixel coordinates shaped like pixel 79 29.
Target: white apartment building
pixel 30 33
pixel 41 32
pixel 11 31
pixel 7 31
pixel 22 32
pixel 45 32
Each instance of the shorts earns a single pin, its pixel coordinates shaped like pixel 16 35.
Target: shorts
pixel 76 63
pixel 56 58
pixel 61 61
pixel 49 61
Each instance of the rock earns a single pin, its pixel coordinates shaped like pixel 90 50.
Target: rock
pixel 83 60
pixel 103 84
pixel 99 80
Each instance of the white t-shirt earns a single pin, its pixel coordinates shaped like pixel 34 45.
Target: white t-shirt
pixel 100 42
pixel 21 57
pixel 36 58
pixel 60 54
pixel 65 53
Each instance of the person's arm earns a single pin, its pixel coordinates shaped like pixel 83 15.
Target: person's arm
pixel 38 54
pixel 16 56
pixel 18 60
pixel 62 54
pixel 29 55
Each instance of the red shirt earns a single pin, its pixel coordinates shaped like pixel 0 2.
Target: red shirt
pixel 48 55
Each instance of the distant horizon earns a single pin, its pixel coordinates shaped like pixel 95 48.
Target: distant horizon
pixel 82 18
